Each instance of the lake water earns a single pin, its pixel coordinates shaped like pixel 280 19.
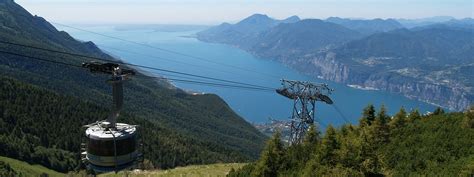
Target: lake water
pixel 254 106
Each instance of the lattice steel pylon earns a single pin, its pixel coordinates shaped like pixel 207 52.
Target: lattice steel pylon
pixel 304 95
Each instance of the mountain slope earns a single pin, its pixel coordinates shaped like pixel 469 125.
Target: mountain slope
pixel 201 119
pixel 12 167
pixel 367 26
pixel 270 38
pixel 42 127
pixel 431 63
pixel 411 23
pixel 242 33
pixel 446 46
pixel 301 37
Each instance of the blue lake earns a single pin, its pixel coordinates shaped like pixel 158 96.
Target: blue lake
pixel 254 106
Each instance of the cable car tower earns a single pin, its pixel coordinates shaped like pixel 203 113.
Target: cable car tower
pixel 111 146
pixel 304 95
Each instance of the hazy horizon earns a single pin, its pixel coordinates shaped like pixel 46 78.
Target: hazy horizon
pixel 212 12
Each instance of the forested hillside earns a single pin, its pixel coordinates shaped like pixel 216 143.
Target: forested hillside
pixel 180 128
pixel 407 144
pixel 41 127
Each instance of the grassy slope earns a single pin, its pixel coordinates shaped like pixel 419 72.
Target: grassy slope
pixel 27 169
pixel 188 171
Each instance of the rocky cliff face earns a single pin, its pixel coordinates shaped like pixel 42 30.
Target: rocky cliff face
pixel 326 66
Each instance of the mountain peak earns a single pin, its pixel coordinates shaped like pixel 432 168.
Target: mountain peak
pixel 291 19
pixel 333 18
pixel 256 18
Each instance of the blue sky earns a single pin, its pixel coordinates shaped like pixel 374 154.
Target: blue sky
pixel 217 11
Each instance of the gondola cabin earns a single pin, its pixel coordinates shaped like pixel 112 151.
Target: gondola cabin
pixel 111 149
pixel 111 146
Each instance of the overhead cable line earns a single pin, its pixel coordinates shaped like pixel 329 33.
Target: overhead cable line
pixel 340 113
pixel 135 65
pixel 121 62
pixel 210 84
pixel 171 79
pixel 166 50
pixel 161 58
pixel 40 59
pixel 156 57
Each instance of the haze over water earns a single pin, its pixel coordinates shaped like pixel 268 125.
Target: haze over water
pixel 254 106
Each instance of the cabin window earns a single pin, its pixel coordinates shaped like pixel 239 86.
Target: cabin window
pixel 106 147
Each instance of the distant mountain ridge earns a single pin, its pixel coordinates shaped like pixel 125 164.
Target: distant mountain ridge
pixel 367 26
pixel 430 63
pixel 411 23
pixel 286 38
pixel 243 32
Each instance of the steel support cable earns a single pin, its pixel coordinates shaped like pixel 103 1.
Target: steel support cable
pixel 340 113
pixel 165 59
pixel 40 59
pixel 135 65
pixel 154 47
pixel 263 74
pixel 166 50
pixel 172 79
pixel 208 83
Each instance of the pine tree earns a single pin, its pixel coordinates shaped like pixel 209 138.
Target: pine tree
pixel 368 115
pixel 270 161
pixel 414 115
pixel 324 156
pixel 297 155
pixel 382 115
pixel 468 121
pixel 372 138
pixel 399 119
pixel 349 146
pixel 380 127
pixel 329 145
pixel 312 137
pixel 438 111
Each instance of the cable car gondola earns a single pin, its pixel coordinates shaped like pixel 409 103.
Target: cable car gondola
pixel 111 146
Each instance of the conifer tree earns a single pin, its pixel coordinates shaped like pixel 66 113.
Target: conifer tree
pixel 414 115
pixel 438 111
pixel 372 138
pixel 349 146
pixel 298 155
pixel 270 161
pixel 382 115
pixel 324 156
pixel 381 126
pixel 368 116
pixel 468 121
pixel 311 138
pixel 399 119
pixel 329 145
